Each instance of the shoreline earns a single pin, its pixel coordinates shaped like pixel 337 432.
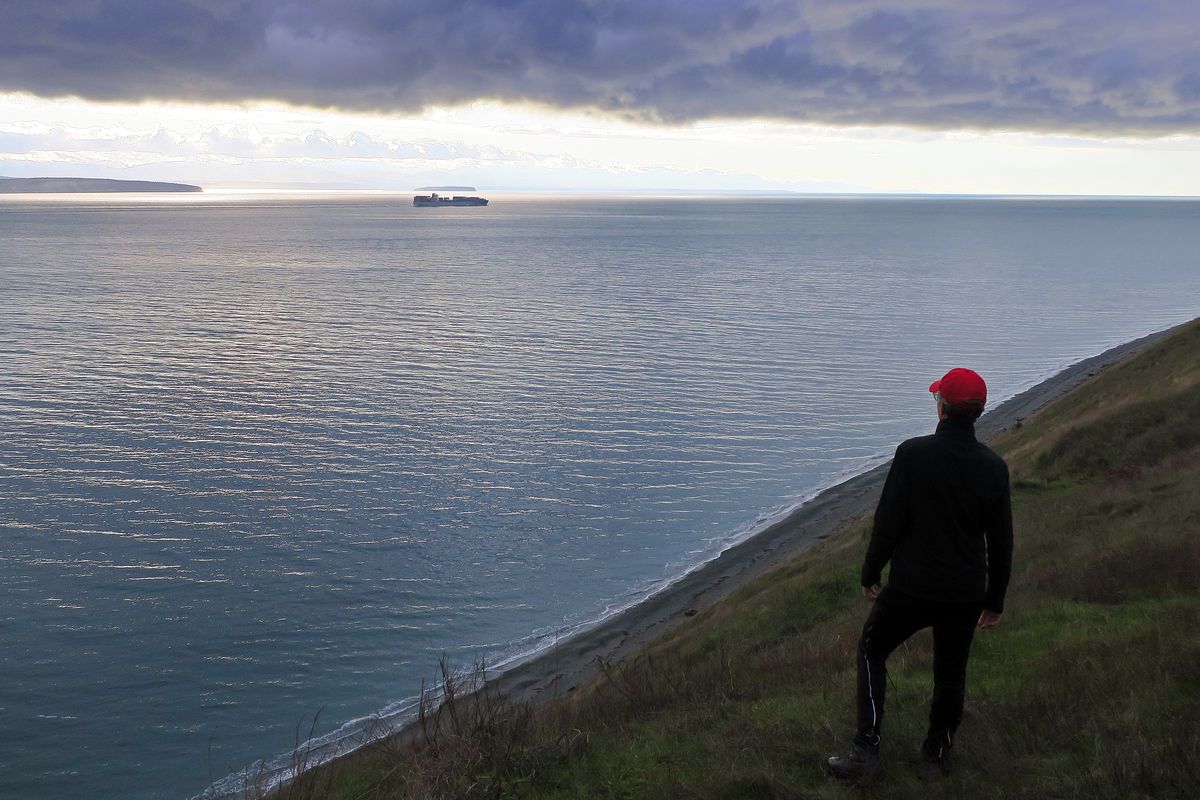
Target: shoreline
pixel 573 660
pixel 544 676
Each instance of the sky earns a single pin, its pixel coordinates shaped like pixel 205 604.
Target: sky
pixel 937 96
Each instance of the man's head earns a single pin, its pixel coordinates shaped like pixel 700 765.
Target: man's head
pixel 960 394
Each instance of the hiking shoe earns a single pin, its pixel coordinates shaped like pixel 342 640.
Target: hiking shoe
pixel 932 760
pixel 930 769
pixel 859 765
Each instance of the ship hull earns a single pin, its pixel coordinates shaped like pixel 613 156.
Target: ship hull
pixel 434 201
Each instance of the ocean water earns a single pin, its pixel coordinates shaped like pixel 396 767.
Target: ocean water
pixel 268 457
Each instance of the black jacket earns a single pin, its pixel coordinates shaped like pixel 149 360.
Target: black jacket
pixel 944 520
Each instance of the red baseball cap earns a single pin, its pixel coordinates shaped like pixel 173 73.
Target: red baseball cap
pixel 961 387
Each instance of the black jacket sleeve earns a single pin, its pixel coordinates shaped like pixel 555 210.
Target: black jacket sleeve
pixel 891 518
pixel 999 551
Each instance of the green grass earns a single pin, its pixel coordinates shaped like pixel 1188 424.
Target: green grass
pixel 1089 688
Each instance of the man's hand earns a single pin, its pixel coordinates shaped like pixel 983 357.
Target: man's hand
pixel 988 618
pixel 872 592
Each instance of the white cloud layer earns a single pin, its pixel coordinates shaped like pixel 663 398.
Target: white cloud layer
pixel 499 146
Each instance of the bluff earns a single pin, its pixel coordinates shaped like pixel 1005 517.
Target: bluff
pixel 1088 688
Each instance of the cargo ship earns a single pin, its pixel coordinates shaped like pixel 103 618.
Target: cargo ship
pixel 437 201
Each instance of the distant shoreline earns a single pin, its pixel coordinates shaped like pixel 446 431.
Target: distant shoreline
pixel 89 186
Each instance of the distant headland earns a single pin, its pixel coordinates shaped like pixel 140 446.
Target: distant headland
pixel 445 188
pixel 78 185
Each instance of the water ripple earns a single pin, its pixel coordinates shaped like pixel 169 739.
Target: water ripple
pixel 264 458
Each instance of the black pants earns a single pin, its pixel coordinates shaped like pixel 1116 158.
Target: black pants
pixel 893 619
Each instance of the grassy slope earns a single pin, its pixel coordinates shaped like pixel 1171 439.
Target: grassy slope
pixel 1089 688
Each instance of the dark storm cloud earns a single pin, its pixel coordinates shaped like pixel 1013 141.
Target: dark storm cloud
pixel 1080 65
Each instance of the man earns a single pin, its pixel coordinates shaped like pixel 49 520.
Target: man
pixel 944 521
